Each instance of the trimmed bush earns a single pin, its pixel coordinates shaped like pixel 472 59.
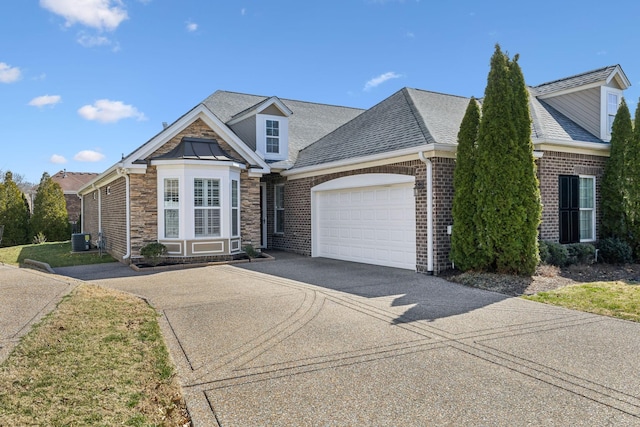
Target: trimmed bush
pixel 581 253
pixel 153 252
pixel 558 254
pixel 613 250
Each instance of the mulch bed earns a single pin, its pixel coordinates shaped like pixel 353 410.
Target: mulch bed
pixel 546 278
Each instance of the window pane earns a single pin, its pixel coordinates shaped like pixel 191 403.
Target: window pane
pixel 586 193
pixel 273 145
pixel 171 193
pixel 234 222
pixel 586 225
pixel 234 193
pixel 612 103
pixel 171 223
pixel 198 192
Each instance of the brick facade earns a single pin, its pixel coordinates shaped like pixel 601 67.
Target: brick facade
pixel 297 235
pixel 90 214
pixel 550 167
pixel 114 217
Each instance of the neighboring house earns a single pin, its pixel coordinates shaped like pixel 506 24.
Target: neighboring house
pixel 372 186
pixel 71 182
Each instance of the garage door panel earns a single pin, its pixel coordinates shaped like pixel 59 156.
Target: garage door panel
pixel 373 225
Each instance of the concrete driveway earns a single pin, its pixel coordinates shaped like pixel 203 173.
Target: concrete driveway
pixel 301 341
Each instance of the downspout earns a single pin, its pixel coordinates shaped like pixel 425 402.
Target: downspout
pixel 429 211
pixel 123 171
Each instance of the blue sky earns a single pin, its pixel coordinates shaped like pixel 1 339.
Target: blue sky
pixel 83 82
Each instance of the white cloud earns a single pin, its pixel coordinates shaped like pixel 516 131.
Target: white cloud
pixel 377 81
pixel 107 111
pixel 99 14
pixel 87 40
pixel 88 156
pixel 9 74
pixel 57 159
pixel 41 101
pixel 191 26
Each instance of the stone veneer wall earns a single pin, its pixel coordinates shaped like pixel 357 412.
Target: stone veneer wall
pixel 144 202
pixel 550 166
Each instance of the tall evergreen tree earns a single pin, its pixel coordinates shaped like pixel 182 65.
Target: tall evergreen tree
pixel 464 243
pixel 14 212
pixel 614 186
pixel 632 172
pixel 50 211
pixel 508 195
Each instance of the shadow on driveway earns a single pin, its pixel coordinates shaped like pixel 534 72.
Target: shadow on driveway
pixel 425 297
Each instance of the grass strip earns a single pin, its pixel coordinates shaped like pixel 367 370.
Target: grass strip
pixel 56 254
pixel 614 299
pixel 98 359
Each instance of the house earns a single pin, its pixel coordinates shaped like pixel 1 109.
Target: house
pixel 71 182
pixel 372 186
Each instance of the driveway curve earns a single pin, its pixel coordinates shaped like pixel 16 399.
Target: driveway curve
pixel 301 341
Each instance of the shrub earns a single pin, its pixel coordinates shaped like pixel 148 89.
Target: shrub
pixel 581 253
pixel 153 252
pixel 558 254
pixel 250 251
pixel 613 250
pixel 543 250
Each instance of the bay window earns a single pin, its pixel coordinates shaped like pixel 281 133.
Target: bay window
pixel 206 212
pixel 171 208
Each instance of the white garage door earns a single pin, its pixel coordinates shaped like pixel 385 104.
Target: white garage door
pixel 373 224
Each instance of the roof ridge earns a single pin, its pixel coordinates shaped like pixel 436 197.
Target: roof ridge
pixel 282 99
pixel 576 75
pixel 418 117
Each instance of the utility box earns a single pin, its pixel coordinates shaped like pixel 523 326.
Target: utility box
pixel 80 242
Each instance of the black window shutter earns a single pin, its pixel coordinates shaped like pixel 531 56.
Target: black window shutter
pixel 569 208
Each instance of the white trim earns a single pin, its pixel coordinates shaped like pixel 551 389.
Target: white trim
pixel 283 137
pixel 364 180
pixel 429 174
pixel 430 150
pixel 604 111
pixel 593 210
pixel 572 90
pixel 572 147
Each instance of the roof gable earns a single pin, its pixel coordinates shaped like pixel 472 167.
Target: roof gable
pixel 599 77
pixel 408 118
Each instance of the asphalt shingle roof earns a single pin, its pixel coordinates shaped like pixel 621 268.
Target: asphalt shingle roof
pixel 408 118
pixel 308 123
pixel 574 81
pixel 72 181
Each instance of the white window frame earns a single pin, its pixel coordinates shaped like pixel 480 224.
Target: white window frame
pixel 278 209
pixel 585 209
pixel 605 113
pixel 171 205
pixel 210 208
pixel 235 208
pixel 283 137
pixel 272 134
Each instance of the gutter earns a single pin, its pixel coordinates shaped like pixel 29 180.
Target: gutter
pixel 429 174
pixel 124 172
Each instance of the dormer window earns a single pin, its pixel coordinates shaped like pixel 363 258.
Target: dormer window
pixel 273 136
pixel 612 109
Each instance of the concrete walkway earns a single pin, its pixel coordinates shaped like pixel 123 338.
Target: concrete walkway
pixel 323 342
pixel 25 297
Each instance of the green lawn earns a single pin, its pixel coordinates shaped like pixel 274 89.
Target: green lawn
pixel 56 254
pixel 614 299
pixel 98 359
